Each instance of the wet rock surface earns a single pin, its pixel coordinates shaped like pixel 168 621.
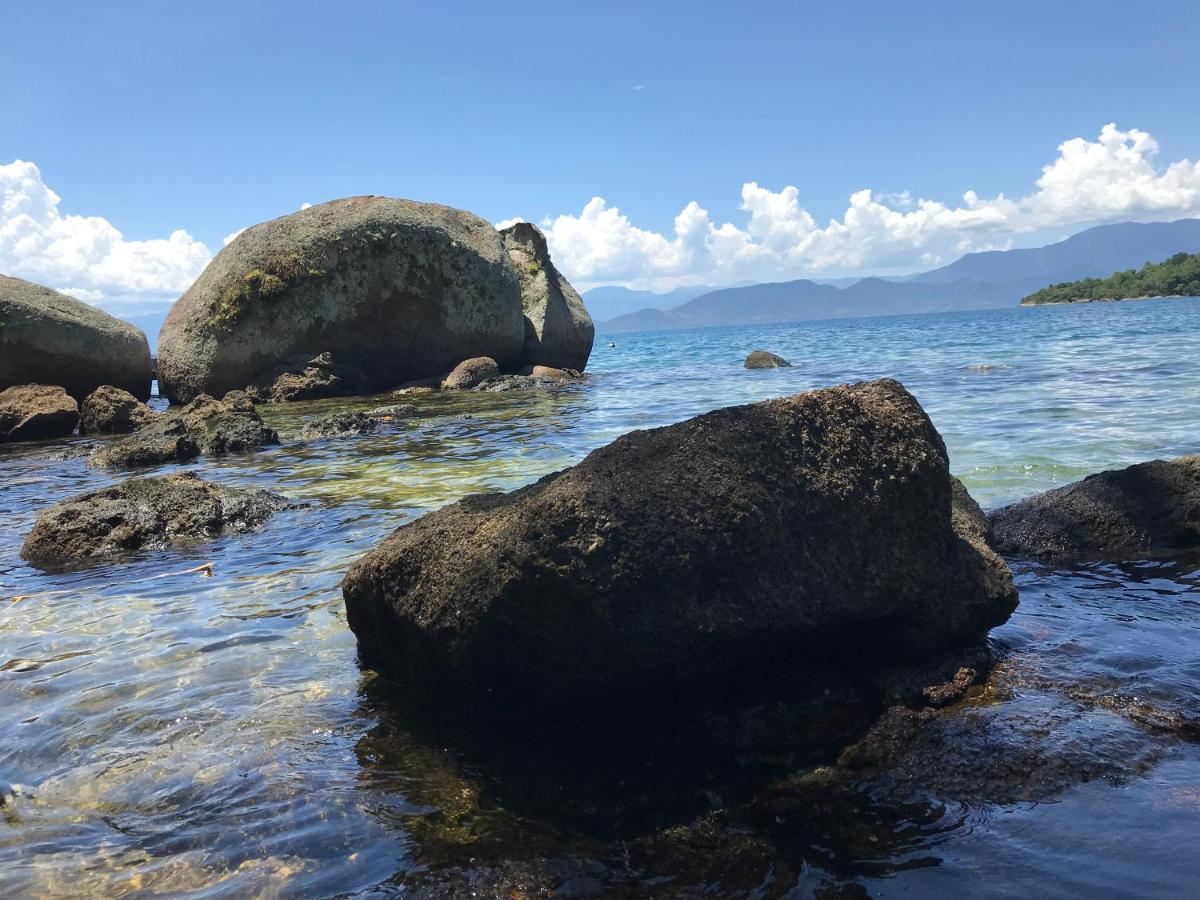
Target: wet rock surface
pixel 50 338
pixel 206 425
pixel 144 513
pixel 308 378
pixel 1148 507
pixel 36 412
pixel 764 359
pixel 110 410
pixel 470 373
pixel 655 559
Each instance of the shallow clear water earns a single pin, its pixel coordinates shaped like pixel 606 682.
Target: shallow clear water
pixel 180 733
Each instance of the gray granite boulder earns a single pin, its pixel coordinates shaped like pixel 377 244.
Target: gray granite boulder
pixel 393 288
pixel 50 338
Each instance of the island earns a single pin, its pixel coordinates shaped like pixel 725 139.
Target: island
pixel 1178 276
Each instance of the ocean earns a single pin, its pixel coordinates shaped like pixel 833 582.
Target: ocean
pixel 176 733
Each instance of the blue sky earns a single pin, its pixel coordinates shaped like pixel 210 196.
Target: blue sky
pixel 209 117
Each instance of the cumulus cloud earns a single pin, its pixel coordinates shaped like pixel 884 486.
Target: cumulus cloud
pixel 1115 177
pixel 86 256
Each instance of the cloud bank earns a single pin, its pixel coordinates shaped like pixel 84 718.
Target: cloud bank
pixel 85 256
pixel 1115 177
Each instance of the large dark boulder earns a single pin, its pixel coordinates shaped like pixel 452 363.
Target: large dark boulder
pixel 206 425
pixel 1148 507
pixel 558 330
pixel 800 532
pixel 50 338
pixel 110 410
pixel 144 513
pixel 395 289
pixel 765 359
pixel 35 412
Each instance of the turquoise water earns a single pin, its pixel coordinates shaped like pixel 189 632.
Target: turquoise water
pixel 176 733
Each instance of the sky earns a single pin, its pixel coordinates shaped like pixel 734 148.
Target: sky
pixel 657 144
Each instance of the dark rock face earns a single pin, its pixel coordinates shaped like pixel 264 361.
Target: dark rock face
pixel 470 373
pixel 50 338
pixel 762 359
pixel 1152 506
pixel 110 410
pixel 144 513
pixel 796 531
pixel 305 378
pixel 35 412
pixel 558 330
pixel 215 427
pixel 393 288
pixel 545 377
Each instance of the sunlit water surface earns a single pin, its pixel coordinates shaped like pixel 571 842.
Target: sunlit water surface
pixel 178 733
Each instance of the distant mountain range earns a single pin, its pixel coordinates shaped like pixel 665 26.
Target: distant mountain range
pixel 976 281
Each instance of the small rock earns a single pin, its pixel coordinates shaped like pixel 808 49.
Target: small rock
pixel 338 424
pixel 762 359
pixel 35 412
pixel 392 412
pixel 110 410
pixel 308 377
pixel 144 513
pixel 215 427
pixel 470 373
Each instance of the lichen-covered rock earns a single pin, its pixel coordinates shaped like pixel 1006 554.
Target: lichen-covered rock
pixel 35 412
pixel 215 427
pixel 803 531
pixel 558 329
pixel 50 338
pixel 110 410
pixel 763 359
pixel 1148 507
pixel 144 513
pixel 393 288
pixel 470 373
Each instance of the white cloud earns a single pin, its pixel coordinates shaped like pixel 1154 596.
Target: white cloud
pixel 86 256
pixel 1115 177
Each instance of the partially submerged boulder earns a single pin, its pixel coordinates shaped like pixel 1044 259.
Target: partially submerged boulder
pixel 144 513
pixel 215 427
pixel 338 424
pixel 764 359
pixel 394 288
pixel 308 377
pixel 470 373
pixel 111 410
pixel 805 530
pixel 1149 507
pixel 36 412
pixel 50 338
pixel 558 330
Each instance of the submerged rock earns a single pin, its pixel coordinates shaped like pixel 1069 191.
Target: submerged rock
pixel 50 338
pixel 35 412
pixel 470 373
pixel 110 410
pixel 144 513
pixel 215 427
pixel 394 288
pixel 531 379
pixel 763 359
pixel 1148 507
pixel 338 424
pixel 795 531
pixel 558 330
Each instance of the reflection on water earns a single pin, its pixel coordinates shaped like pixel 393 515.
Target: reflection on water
pixel 171 732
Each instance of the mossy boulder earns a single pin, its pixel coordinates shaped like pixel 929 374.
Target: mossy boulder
pixel 765 359
pixel 50 338
pixel 110 410
pixel 394 289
